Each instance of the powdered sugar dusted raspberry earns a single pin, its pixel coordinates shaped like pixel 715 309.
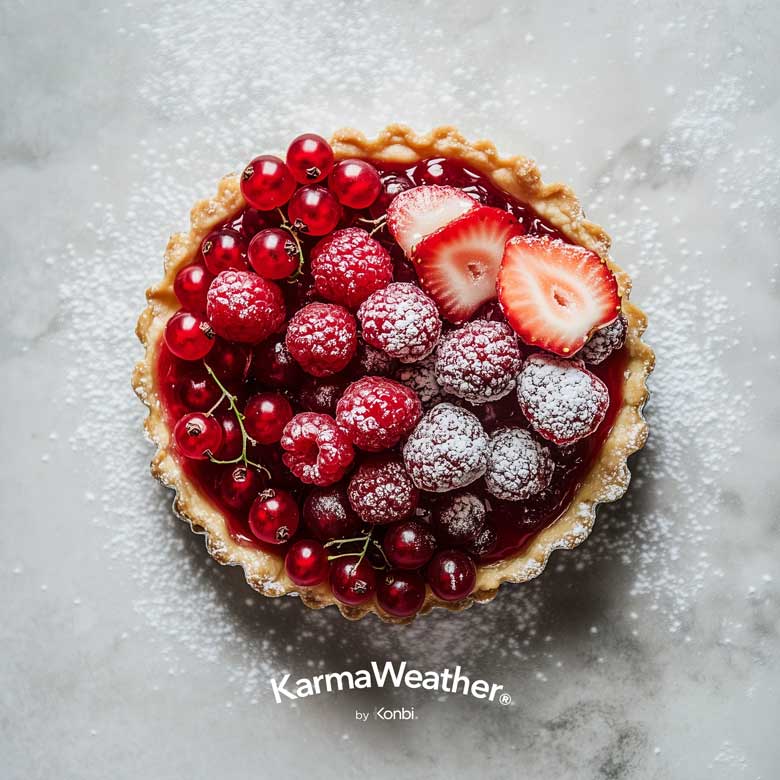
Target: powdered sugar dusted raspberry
pixel 322 337
pixel 376 412
pixel 485 541
pixel 479 361
pixel 459 518
pixel 316 450
pixel 402 321
pixel 321 395
pixel 381 491
pixel 518 466
pixel 604 342
pixel 241 306
pixel 421 377
pixel 562 400
pixel 349 265
pixel 447 450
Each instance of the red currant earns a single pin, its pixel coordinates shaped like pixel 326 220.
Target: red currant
pixel 197 435
pixel 306 563
pixel 352 583
pixel 238 486
pixel 266 183
pixel 273 517
pixel 223 250
pixel 274 366
pixel 409 545
pixel 188 336
pixel 199 392
pixel 230 361
pixel 314 211
pixel 328 515
pixel 451 575
pixel 273 254
pixel 191 285
pixel 232 438
pixel 309 158
pixel 401 593
pixel 355 183
pixel 265 416
pixel 392 184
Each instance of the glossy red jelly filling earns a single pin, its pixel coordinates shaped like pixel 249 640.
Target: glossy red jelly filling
pixel 184 386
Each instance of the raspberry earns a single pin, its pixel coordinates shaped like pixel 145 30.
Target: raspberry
pixel 518 466
pixel 243 307
pixel 349 265
pixel 316 451
pixel 459 519
pixel 322 337
pixel 605 341
pixel 421 377
pixel 376 412
pixel 402 321
pixel 478 362
pixel 485 542
pixel 328 515
pixel 447 450
pixel 381 492
pixel 562 400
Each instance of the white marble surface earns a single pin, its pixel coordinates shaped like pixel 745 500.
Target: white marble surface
pixel 651 652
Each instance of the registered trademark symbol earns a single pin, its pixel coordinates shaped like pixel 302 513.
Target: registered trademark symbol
pixel 505 699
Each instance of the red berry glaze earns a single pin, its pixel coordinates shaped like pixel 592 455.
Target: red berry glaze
pixel 349 265
pixel 352 582
pixel 306 563
pixel 243 307
pixel 266 183
pixel 409 544
pixel 400 593
pixel 314 211
pixel 265 416
pixel 273 517
pixel 402 321
pixel 316 450
pixel 188 336
pixel 380 491
pixel 196 435
pixel 309 158
pixel 273 254
pixel 322 337
pixel 328 515
pixel 377 412
pixel 451 575
pixel 239 486
pixel 224 250
pixel 190 287
pixel 355 183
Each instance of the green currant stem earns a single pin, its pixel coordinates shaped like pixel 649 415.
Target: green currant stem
pixel 366 539
pixel 243 457
pixel 379 223
pixel 285 225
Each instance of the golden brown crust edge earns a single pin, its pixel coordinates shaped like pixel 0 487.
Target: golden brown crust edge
pixel 609 476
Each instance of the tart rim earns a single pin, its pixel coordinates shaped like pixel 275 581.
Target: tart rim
pixel 608 478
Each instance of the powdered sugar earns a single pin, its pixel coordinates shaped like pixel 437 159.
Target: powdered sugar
pixel 381 491
pixel 561 399
pixel 460 518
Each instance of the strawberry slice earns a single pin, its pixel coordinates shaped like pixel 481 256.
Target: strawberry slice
pixel 458 264
pixel 555 294
pixel 418 212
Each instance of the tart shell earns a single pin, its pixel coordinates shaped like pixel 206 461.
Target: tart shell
pixel 608 477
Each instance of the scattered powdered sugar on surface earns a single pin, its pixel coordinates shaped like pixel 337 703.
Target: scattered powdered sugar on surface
pixel 658 535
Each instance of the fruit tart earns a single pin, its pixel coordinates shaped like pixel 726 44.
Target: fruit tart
pixel 391 374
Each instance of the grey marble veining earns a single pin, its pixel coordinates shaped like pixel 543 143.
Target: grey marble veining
pixel 650 652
